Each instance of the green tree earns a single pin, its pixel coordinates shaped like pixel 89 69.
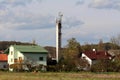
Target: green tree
pixel 87 47
pixel 70 54
pixel 117 62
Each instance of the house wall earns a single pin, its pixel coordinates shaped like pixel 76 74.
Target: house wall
pixel 87 58
pixel 34 58
pixel 20 55
pixel 3 65
pixel 15 56
pixel 11 55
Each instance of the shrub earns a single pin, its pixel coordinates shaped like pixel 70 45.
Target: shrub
pixel 104 66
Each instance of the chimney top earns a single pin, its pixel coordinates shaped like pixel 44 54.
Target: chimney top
pixel 94 50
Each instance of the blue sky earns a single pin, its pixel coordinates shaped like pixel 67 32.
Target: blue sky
pixel 86 20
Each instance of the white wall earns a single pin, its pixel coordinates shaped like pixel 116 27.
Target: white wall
pixel 11 56
pixel 87 58
pixel 15 55
pixel 19 54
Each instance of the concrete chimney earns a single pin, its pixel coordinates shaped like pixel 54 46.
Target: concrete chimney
pixel 58 36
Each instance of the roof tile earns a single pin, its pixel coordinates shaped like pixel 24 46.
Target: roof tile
pixel 26 48
pixel 97 54
pixel 3 57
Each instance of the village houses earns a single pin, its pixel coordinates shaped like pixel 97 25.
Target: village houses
pixel 26 54
pixel 93 56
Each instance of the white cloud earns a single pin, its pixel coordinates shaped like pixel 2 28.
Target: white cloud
pixel 16 2
pixel 27 23
pixel 20 18
pixel 3 12
pixel 32 19
pixel 70 22
pixel 106 4
pixel 79 2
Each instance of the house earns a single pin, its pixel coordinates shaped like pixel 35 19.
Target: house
pixel 93 56
pixel 114 52
pixel 26 54
pixel 3 61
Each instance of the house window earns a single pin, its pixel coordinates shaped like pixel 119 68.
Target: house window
pixel 15 60
pixel 11 52
pixel 84 57
pixel 20 59
pixel 41 58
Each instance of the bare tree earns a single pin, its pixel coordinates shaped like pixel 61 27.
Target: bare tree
pixel 115 40
pixel 101 45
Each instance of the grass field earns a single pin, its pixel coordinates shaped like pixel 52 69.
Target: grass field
pixel 59 76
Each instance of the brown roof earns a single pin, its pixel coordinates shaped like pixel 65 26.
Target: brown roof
pixel 3 57
pixel 97 54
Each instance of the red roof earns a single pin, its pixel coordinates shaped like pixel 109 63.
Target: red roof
pixel 97 54
pixel 3 57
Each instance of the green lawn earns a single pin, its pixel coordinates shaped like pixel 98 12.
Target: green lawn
pixel 59 76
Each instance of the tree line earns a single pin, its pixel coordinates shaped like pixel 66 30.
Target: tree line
pixel 5 44
pixel 70 57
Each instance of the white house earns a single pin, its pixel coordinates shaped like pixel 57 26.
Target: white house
pixel 26 54
pixel 93 56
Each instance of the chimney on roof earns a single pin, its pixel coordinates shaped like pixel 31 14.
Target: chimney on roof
pixel 94 50
pixel 33 42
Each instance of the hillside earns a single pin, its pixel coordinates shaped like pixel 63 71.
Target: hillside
pixel 105 46
pixel 5 44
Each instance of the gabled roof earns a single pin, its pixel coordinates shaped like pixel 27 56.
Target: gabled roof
pixel 28 49
pixel 97 55
pixel 3 57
